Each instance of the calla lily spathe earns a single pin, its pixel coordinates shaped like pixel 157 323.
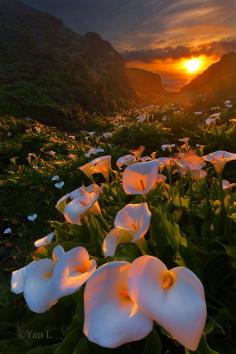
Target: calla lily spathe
pixel 226 185
pixel 140 177
pixel 198 175
pixel 45 281
pixel 72 271
pixel 134 156
pixel 34 280
pixel 219 159
pixel 190 161
pixel 125 160
pixel 167 162
pixel 44 241
pixel 137 152
pixel 99 165
pixel 80 201
pixel 131 224
pixel 111 317
pixel 173 298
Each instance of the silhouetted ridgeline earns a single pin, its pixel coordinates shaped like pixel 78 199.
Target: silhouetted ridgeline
pixel 147 86
pixel 50 73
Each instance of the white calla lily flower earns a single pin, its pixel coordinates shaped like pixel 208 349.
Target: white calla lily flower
pixel 59 185
pixel 72 271
pixel 198 175
pixel 93 151
pixel 7 231
pixel 131 224
pixel 173 298
pixel 125 160
pixel 190 161
pixel 219 159
pixel 43 282
pixel 34 280
pixel 44 241
pixel 79 206
pixel 226 185
pixel 55 178
pixel 141 177
pixel 18 278
pixel 167 162
pixel 99 165
pixel 111 317
pixel 73 205
pixel 32 217
pixel 168 147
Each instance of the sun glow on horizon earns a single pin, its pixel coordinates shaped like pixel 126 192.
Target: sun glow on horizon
pixel 193 65
pixel 174 72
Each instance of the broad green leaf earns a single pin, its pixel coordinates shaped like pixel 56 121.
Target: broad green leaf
pixel 69 343
pixel 204 348
pixel 153 343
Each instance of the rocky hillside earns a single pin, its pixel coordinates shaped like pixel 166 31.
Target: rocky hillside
pixel 50 73
pixel 218 82
pixel 147 85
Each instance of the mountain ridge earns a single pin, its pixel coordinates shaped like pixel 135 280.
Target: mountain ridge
pixel 147 85
pixel 53 74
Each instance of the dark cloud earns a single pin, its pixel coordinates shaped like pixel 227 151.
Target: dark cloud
pixel 212 48
pixel 136 24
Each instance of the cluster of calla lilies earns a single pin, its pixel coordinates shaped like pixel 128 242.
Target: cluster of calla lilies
pixel 122 300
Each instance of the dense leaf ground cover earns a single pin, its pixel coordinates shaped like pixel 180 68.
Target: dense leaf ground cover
pixel 192 223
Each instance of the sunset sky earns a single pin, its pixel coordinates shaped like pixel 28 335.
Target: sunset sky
pixel 158 35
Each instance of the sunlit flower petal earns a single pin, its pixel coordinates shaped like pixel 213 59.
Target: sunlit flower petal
pixel 167 162
pixel 125 160
pixel 99 165
pixel 44 240
pixel 77 207
pixel 111 317
pixel 190 161
pixel 173 298
pixel 18 278
pixel 72 271
pixel 38 292
pixel 73 205
pixel 198 175
pixel 219 159
pixel 140 178
pixel 137 152
pixel 93 151
pixel 131 224
pixel 227 185
pixel 168 147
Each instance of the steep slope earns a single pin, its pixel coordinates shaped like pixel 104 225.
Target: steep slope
pixel 147 85
pixel 218 82
pixel 50 73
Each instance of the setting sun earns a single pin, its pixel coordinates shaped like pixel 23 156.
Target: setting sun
pixel 193 65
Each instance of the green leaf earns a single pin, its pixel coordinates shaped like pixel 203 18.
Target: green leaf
pixel 69 342
pixel 182 202
pixel 204 348
pixel 153 343
pixel 43 350
pixel 82 347
pixel 165 236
